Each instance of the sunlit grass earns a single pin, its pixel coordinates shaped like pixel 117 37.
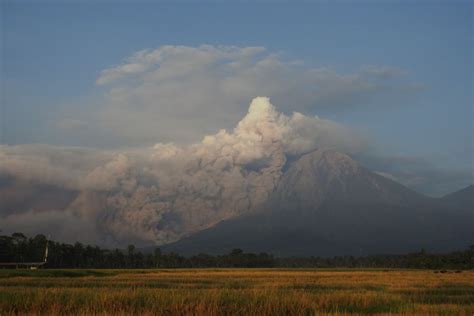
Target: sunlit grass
pixel 236 291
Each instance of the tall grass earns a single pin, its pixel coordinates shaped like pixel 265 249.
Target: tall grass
pixel 235 291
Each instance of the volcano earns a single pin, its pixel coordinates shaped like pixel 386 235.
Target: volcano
pixel 327 204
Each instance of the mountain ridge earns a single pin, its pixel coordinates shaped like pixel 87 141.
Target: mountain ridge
pixel 328 204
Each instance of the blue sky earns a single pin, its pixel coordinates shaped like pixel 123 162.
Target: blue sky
pixel 53 53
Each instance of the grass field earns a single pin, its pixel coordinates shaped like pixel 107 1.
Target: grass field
pixel 236 291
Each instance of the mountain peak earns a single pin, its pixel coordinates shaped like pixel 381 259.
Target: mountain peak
pixel 309 179
pixel 327 204
pixel 330 160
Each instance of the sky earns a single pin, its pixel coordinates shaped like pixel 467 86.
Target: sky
pixel 114 75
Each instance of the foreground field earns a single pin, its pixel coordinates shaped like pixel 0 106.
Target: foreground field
pixel 236 291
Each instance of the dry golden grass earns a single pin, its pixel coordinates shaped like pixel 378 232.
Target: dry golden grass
pixel 236 292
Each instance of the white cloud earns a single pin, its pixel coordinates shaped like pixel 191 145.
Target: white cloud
pixel 383 72
pixel 176 61
pixel 180 93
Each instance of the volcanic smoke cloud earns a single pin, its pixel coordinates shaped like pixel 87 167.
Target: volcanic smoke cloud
pixel 160 194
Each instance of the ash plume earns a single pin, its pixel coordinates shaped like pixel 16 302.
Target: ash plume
pixel 162 193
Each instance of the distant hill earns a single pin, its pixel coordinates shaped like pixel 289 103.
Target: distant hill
pixel 326 204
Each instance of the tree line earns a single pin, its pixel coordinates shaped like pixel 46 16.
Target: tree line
pixel 20 248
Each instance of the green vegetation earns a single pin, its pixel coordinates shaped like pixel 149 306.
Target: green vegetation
pixel 236 291
pixel 19 248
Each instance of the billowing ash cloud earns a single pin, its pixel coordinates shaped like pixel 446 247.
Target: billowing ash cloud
pixel 159 194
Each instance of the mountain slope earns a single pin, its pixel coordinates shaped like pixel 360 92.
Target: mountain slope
pixel 463 198
pixel 327 204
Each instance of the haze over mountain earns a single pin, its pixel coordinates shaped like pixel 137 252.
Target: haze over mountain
pixel 277 183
